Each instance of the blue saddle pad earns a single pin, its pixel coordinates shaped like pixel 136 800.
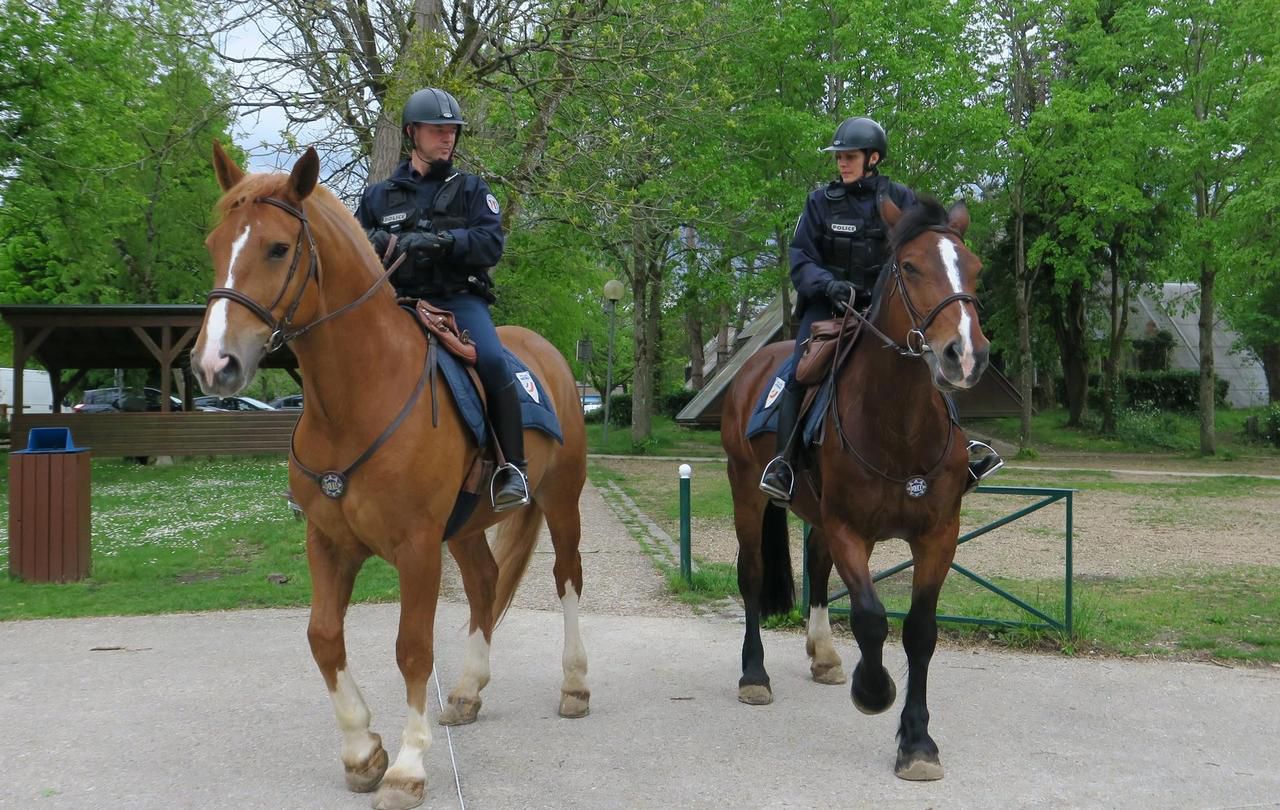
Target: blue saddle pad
pixel 535 405
pixel 764 418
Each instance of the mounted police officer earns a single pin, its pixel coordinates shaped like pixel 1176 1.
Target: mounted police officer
pixel 447 227
pixel 839 246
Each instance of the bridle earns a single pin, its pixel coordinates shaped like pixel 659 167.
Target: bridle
pixel 915 346
pixel 333 483
pixel 282 329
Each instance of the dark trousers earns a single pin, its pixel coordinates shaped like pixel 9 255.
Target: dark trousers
pixel 472 313
pixel 816 310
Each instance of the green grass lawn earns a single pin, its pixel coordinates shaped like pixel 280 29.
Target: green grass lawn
pixel 200 535
pixel 667 439
pixel 1227 614
pixel 1174 434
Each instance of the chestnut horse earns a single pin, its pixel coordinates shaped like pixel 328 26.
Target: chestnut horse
pixel 363 363
pixel 892 464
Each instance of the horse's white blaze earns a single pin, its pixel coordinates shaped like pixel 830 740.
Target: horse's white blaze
pixel 951 260
pixel 413 744
pixel 353 721
pixel 575 655
pixel 212 361
pixel 819 626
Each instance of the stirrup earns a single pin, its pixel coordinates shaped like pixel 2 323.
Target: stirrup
pixel 777 493
pixel 983 467
pixel 524 488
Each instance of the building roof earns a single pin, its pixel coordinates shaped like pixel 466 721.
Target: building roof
pixel 97 336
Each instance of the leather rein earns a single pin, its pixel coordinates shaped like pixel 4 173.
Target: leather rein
pixel 333 483
pixel 915 346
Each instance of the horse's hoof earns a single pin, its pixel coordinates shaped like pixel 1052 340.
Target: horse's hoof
pixel 754 694
pixel 400 794
pixel 872 704
pixel 832 674
pixel 575 704
pixel 364 778
pixel 460 712
pixel 918 767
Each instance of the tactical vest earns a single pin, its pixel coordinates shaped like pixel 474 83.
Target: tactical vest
pixel 448 211
pixel 853 246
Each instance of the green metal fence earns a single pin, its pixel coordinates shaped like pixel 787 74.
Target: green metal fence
pixel 1049 496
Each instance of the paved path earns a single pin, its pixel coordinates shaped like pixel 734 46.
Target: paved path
pixel 227 710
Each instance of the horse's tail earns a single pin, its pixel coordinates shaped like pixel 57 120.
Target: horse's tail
pixel 778 594
pixel 512 549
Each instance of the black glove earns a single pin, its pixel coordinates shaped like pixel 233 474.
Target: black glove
pixel 841 295
pixel 380 239
pixel 426 242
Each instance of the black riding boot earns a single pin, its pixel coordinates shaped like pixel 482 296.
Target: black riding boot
pixel 778 480
pixel 510 486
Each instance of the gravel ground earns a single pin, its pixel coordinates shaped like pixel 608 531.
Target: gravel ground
pixel 1115 533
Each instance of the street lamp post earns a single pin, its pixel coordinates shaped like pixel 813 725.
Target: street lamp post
pixel 612 294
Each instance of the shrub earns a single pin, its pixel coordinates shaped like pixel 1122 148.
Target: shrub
pixel 620 410
pixel 672 404
pixel 1165 390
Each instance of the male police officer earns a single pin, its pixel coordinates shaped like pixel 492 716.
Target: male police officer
pixel 838 248
pixel 447 227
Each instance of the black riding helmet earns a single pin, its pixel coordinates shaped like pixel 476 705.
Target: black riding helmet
pixel 859 133
pixel 431 106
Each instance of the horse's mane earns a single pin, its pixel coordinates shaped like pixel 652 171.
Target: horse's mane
pixel 925 214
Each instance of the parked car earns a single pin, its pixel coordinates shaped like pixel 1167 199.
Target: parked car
pixel 105 400
pixel 232 403
pixel 293 402
pixel 591 403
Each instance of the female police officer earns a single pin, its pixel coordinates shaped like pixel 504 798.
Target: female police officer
pixel 447 226
pixel 838 248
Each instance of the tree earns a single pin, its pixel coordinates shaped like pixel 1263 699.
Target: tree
pixel 108 117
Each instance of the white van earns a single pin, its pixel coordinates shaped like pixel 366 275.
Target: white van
pixel 37 393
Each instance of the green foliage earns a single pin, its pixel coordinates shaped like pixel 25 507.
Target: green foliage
pixel 620 410
pixel 108 116
pixel 1155 390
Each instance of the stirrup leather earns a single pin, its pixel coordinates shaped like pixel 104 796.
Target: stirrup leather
pixel 524 487
pixel 785 470
pixel 983 467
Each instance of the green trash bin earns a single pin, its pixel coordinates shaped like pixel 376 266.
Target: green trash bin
pixel 49 508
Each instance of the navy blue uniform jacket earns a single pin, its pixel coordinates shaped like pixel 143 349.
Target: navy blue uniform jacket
pixel 808 273
pixel 478 245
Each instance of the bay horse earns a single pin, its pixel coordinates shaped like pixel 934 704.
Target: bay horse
pixel 363 361
pixel 892 464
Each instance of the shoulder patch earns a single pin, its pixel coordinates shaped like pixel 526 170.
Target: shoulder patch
pixel 492 202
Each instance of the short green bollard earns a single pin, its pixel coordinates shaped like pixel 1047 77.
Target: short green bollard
pixel 686 552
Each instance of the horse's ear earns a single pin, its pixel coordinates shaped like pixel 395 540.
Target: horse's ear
pixel 958 217
pixel 889 211
pixel 302 180
pixel 225 168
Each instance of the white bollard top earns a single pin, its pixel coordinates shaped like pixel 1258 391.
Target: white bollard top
pixel 686 471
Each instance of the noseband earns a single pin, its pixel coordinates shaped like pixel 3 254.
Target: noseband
pixel 282 330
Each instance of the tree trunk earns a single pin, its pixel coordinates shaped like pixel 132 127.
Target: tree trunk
pixel 388 141
pixel 646 289
pixel 1115 346
pixel 697 358
pixel 1023 307
pixel 1069 328
pixel 1271 367
pixel 1208 437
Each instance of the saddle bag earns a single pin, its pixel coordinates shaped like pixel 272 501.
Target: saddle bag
pixel 441 323
pixel 819 351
